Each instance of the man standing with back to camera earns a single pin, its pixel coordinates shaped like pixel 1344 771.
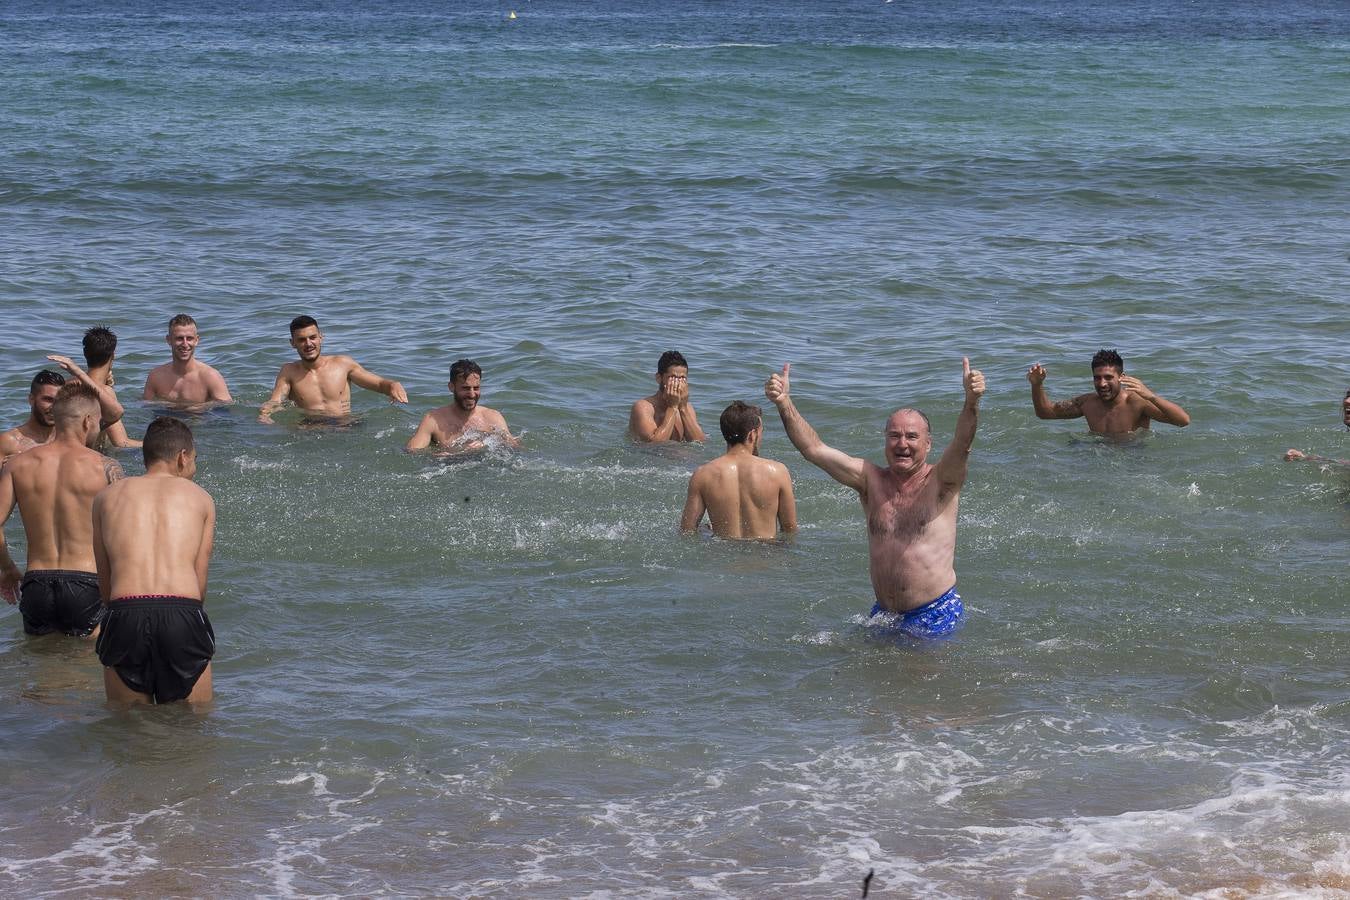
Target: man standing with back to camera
pixel 152 544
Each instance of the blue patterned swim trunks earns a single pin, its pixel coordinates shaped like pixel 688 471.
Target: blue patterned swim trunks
pixel 936 619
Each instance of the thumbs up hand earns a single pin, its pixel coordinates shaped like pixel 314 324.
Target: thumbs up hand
pixel 972 379
pixel 776 388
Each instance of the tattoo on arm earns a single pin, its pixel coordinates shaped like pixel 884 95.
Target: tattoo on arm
pixel 112 470
pixel 1067 409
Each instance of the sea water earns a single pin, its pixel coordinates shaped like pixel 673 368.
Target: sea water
pixel 509 675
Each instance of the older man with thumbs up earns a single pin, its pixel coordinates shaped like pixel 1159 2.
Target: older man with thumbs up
pixel 910 506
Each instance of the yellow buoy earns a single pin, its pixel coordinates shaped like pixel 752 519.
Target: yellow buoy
pixel 511 14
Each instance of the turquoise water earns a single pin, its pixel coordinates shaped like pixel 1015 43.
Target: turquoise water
pixel 510 675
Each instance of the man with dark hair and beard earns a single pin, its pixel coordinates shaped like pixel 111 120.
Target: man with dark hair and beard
pixel 54 486
pixel 463 423
pixel 1119 403
pixel 38 429
pixel 745 497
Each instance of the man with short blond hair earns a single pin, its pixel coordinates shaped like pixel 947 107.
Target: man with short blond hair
pixel 185 379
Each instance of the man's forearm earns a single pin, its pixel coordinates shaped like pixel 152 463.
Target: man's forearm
pixel 1040 401
pixel 691 429
pixel 799 431
pixel 966 424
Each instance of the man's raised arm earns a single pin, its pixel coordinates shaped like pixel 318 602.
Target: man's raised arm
pixel 109 409
pixel 843 468
pixel 952 468
pixel 1160 410
pixel 1045 408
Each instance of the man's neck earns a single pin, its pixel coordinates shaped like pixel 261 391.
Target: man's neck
pixel 309 365
pixel 99 373
pixel 68 436
pixel 183 366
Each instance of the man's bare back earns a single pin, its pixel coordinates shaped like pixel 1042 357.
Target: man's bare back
pixel 745 496
pixel 322 384
pixel 54 486
pixel 152 539
pixel 155 533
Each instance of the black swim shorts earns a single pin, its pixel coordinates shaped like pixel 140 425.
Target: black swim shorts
pixel 157 645
pixel 57 600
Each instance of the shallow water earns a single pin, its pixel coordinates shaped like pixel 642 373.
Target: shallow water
pixel 509 674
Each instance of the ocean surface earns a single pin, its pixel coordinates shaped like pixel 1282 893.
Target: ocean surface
pixel 509 675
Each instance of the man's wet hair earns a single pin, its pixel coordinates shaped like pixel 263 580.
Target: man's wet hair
pixel 738 420
pixel 463 368
pixel 165 439
pixel 46 377
pixel 668 359
pixel 302 322
pixel 182 319
pixel 99 345
pixel 74 400
pixel 1106 357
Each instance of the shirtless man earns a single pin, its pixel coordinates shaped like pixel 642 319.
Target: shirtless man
pixel 152 544
pixel 38 429
pixel 1121 404
pixel 54 485
pixel 186 379
pixel 666 415
pixel 100 348
pixel 745 497
pixel 910 507
pixel 462 418
pixel 322 384
pixel 1291 454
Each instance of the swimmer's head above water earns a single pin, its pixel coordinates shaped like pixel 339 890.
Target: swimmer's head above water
pixel 1107 367
pixel 742 424
pixel 909 438
pixel 42 394
pixel 466 383
pixel 306 338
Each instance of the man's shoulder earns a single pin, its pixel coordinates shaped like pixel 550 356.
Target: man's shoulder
pixel 9 442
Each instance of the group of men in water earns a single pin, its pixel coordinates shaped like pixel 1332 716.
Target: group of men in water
pixel 125 560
